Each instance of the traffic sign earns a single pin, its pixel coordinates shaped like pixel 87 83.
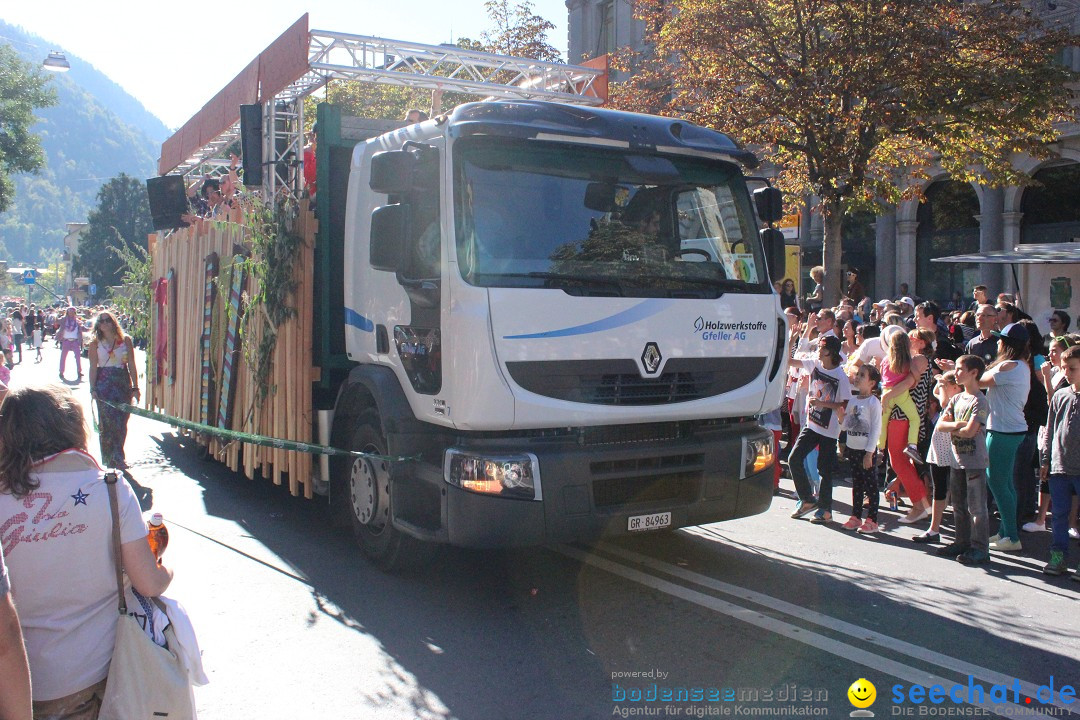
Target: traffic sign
pixel 29 277
pixel 93 289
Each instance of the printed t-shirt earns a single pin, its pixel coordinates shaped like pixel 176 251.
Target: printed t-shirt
pixel 970 453
pixel 862 422
pixel 62 531
pixel 830 386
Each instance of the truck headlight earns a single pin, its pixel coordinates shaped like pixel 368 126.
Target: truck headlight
pixel 513 476
pixel 757 455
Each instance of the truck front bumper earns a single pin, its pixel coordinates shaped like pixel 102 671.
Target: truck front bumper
pixel 592 490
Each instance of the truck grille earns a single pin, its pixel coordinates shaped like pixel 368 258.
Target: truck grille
pixel 618 382
pixel 642 481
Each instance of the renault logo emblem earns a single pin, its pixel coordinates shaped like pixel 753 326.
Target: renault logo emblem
pixel 650 358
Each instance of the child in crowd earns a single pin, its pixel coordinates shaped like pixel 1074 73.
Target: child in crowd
pixel 862 420
pixel 1053 379
pixel 827 396
pixel 965 419
pixel 1060 461
pixel 898 376
pixel 940 455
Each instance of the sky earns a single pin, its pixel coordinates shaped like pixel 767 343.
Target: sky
pixel 173 57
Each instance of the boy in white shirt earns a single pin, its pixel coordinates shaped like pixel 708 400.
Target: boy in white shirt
pixel 828 395
pixel 862 421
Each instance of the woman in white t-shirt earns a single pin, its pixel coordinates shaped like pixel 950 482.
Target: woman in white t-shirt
pixel 1007 382
pixel 54 506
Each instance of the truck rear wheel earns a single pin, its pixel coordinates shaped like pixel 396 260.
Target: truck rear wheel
pixel 369 501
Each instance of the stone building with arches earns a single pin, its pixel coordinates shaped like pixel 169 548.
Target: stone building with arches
pixel 956 218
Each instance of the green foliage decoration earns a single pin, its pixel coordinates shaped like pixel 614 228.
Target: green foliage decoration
pixel 275 246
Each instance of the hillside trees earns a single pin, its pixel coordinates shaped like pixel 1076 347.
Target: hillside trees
pixel 120 220
pixel 853 100
pixel 23 89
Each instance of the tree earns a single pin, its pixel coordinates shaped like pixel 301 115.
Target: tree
pixel 515 30
pixel 854 100
pixel 121 221
pixel 23 89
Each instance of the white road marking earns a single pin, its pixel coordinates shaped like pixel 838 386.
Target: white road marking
pixel 793 632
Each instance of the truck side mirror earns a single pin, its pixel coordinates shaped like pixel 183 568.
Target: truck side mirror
pixel 389 229
pixel 770 204
pixel 392 172
pixel 772 241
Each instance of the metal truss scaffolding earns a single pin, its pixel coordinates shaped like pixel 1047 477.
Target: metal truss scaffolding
pixel 333 55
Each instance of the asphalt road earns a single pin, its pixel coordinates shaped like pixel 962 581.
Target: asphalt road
pixel 764 616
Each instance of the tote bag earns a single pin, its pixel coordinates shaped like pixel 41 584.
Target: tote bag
pixel 146 681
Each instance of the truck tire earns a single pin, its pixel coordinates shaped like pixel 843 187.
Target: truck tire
pixel 369 502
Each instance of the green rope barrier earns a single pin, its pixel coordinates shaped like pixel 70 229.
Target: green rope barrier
pixel 251 438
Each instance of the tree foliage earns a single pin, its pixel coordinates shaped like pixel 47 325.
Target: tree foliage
pixel 120 221
pixel 855 100
pixel 23 89
pixel 514 30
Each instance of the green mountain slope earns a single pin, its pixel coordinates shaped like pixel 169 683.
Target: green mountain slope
pixel 95 132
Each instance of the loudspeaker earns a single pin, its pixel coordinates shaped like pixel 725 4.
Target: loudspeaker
pixel 251 143
pixel 168 201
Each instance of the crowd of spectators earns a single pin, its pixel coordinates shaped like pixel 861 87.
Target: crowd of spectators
pixel 934 406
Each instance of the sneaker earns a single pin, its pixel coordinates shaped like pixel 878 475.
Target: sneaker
pixel 1006 545
pixel 868 526
pixel 852 523
pixel 912 453
pixel 1034 527
pixel 994 538
pixel 952 550
pixel 915 516
pixel 1056 566
pixel 1074 533
pixel 927 537
pixel 804 508
pixel 821 517
pixel 973 557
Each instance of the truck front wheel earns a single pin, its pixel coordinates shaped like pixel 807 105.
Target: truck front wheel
pixel 369 501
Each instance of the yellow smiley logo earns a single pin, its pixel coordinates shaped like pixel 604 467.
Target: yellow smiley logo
pixel 862 693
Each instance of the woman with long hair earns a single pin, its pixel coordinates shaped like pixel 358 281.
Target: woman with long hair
pixel 900 418
pixel 113 379
pixel 70 336
pixel 788 296
pixel 55 509
pixel 1007 382
pixel 850 337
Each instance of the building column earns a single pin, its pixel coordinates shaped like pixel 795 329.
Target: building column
pixel 991 207
pixel 1010 222
pixel 885 254
pixel 906 269
pixel 577 29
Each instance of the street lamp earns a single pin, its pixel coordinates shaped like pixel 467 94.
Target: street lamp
pixel 56 62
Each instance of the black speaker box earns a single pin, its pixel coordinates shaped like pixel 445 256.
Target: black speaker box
pixel 251 143
pixel 168 201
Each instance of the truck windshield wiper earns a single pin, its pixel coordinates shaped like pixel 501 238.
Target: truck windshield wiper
pixel 554 276
pixel 722 283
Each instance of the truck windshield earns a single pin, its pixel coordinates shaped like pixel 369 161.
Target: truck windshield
pixel 603 221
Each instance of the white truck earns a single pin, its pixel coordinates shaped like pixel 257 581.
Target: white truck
pixel 564 314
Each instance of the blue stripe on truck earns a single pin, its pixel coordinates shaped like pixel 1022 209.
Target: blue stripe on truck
pixel 358 321
pixel 642 310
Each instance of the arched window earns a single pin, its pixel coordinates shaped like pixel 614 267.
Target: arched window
pixel 947 226
pixel 1052 208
